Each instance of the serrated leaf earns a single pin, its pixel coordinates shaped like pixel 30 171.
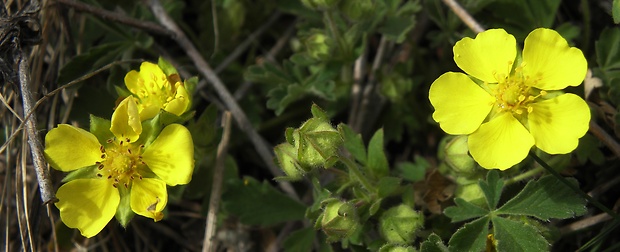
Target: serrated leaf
pixel 492 188
pixel 464 211
pixel 387 185
pixel 608 49
pixel 260 204
pixel 433 244
pixel 471 237
pixel 545 198
pixel 300 240
pixel 377 162
pixel 517 236
pixel 353 143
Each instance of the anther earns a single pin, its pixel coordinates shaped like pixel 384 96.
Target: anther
pixel 126 185
pixel 114 185
pixel 129 151
pixel 101 149
pixel 121 143
pixel 99 175
pixel 110 141
pixel 100 166
pixel 109 176
pixel 127 140
pixel 142 146
pixel 103 155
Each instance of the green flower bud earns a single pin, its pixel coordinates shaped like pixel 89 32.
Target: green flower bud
pixel 455 154
pixel 339 219
pixel 399 224
pixel 357 10
pixel 287 158
pixel 319 4
pixel 316 142
pixel 470 193
pixel 318 45
pixel 396 248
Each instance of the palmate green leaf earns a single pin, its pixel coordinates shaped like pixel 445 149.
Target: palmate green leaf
pixel 464 211
pixel 608 50
pixel 260 204
pixel 353 143
pixel 545 198
pixel 471 237
pixel 492 188
pixel 433 244
pixel 300 240
pixel 377 162
pixel 517 236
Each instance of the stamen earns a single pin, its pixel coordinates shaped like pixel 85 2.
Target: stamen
pixel 99 175
pixel 110 141
pixel 103 155
pixel 100 166
pixel 101 149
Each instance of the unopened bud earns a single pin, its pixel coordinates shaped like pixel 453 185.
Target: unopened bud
pixel 399 224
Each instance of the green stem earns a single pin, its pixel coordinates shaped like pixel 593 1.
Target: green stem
pixel 572 186
pixel 523 176
pixel 356 171
pixel 335 33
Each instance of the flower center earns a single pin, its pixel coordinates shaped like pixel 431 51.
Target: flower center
pixel 515 94
pixel 121 162
pixel 157 91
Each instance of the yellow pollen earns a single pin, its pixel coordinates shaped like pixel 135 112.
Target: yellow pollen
pixel 122 162
pixel 514 92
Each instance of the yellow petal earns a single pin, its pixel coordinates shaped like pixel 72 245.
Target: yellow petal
pixel 179 104
pixel 126 120
pixel 149 197
pixel 460 104
pixel 68 148
pixel 135 83
pixel 489 56
pixel 558 123
pixel 171 155
pixel 550 63
pixel 87 204
pixel 154 78
pixel 500 143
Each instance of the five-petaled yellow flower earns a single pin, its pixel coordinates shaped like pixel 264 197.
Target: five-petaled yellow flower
pixel 121 167
pixel 154 91
pixel 508 104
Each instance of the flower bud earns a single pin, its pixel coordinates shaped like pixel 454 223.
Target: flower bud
pixel 287 158
pixel 339 219
pixel 319 4
pixel 455 155
pixel 318 45
pixel 316 142
pixel 470 193
pixel 396 248
pixel 399 224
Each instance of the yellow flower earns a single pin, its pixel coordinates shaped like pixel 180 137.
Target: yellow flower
pixel 117 167
pixel 508 104
pixel 154 91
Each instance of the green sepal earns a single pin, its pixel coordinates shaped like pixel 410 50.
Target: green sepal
pixel 88 172
pixel 399 224
pixel 286 155
pixel 190 85
pixel 124 214
pixel 166 67
pixel 318 113
pixel 150 130
pixel 101 129
pixel 122 92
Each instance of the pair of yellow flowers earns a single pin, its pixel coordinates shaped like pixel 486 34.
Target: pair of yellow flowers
pixel 117 169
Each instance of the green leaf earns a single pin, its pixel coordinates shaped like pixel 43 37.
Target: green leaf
pixel 387 185
pixel 90 60
pixel 377 162
pixel 166 67
pixel 101 129
pixel 300 240
pixel 464 211
pixel 589 149
pixel 396 28
pixel 517 236
pixel 545 198
pixel 608 49
pixel 413 171
pixel 492 188
pixel 260 204
pixel 353 143
pixel 433 244
pixel 471 237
